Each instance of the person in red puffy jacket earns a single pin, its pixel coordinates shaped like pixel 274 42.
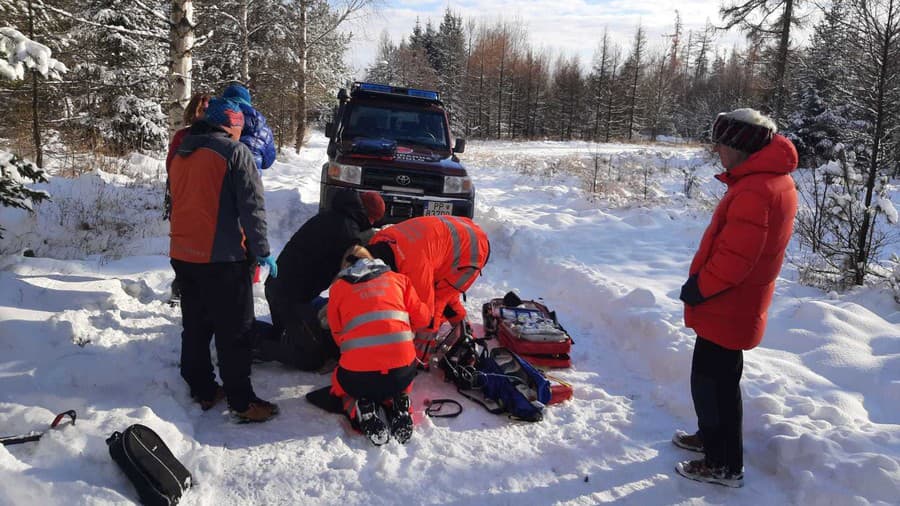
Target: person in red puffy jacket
pixel 372 312
pixel 731 282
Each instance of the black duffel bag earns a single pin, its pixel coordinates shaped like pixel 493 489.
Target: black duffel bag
pixel 158 476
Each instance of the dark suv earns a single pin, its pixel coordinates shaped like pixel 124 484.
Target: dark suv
pixel 396 141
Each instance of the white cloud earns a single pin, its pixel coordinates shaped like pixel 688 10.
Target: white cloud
pixel 568 26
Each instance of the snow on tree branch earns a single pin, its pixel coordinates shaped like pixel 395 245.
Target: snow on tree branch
pixel 19 53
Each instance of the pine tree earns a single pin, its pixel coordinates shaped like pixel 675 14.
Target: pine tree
pixel 819 122
pixel 634 69
pixel 384 69
pixel 246 36
pixel 316 24
pixel 450 64
pixel 35 21
pixel 15 172
pixel 753 16
pixel 599 82
pixel 120 82
pixel 874 87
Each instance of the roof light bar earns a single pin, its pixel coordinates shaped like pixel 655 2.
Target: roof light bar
pixel 395 90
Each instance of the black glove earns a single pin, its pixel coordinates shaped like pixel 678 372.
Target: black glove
pixel 690 292
pixel 449 313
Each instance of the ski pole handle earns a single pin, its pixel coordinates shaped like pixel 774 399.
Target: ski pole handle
pixel 34 435
pixel 70 413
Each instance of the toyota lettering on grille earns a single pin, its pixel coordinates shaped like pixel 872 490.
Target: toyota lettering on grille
pixel 403 180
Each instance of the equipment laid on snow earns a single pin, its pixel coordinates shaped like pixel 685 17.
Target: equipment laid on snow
pixel 528 328
pixel 498 379
pixel 440 343
pixel 160 479
pixel 34 435
pixel 560 391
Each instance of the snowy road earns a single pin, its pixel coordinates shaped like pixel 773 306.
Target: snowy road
pixel 821 396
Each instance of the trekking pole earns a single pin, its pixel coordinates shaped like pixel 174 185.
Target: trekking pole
pixel 34 435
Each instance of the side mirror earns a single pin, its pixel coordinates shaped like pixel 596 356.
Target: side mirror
pixel 329 129
pixel 460 146
pixel 342 95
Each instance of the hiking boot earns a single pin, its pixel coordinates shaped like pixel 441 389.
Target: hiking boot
pixel 691 442
pixel 269 405
pixel 257 411
pixel 371 422
pixel 699 470
pixel 401 421
pixel 208 404
pixel 175 296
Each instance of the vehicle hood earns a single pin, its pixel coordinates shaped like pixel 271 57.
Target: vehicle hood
pixel 411 156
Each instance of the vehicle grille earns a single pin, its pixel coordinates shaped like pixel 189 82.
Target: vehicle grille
pixel 384 176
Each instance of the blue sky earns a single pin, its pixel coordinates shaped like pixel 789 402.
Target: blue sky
pixel 569 26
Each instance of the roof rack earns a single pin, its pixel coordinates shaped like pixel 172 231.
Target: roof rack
pixel 431 96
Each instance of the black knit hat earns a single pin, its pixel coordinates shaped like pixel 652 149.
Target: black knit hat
pixel 745 130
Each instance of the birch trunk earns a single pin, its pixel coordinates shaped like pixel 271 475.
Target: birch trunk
pixel 303 52
pixel 180 47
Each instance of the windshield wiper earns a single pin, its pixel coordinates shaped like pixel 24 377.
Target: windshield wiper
pixel 420 143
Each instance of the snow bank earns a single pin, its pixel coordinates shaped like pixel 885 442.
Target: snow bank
pixel 820 394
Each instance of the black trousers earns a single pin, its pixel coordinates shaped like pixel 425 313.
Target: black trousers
pixel 375 386
pixel 297 339
pixel 716 390
pixel 216 300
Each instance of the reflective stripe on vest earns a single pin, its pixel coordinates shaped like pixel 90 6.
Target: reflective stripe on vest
pixel 372 316
pixel 377 340
pixel 457 253
pixel 412 231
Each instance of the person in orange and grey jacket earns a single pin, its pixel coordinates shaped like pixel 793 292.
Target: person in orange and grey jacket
pixel 218 228
pixel 372 312
pixel 731 283
pixel 307 266
pixel 443 256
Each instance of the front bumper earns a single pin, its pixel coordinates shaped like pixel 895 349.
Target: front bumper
pixel 400 207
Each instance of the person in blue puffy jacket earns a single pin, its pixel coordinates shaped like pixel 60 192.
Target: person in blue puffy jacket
pixel 256 133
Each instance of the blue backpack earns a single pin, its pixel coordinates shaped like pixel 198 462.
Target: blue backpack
pixel 498 379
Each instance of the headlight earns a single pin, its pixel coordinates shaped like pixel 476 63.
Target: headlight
pixel 347 173
pixel 456 184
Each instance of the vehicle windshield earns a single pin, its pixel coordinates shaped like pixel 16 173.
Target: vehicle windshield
pixel 402 125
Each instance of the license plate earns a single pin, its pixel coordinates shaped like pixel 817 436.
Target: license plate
pixel 402 210
pixel 438 208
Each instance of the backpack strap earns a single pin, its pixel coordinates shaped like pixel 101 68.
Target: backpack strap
pixel 491 406
pixel 435 408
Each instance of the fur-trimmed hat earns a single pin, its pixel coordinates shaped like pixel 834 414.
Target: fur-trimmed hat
pixel 224 112
pixel 746 130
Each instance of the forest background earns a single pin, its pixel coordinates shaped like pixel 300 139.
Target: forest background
pixel 828 73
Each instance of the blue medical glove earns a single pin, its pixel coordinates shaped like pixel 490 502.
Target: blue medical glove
pixel 269 261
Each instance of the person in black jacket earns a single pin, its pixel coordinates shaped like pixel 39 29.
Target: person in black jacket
pixel 306 266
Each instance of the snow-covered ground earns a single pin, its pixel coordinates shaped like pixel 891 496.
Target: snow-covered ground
pixel 80 330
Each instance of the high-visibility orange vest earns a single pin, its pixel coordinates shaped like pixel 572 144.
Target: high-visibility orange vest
pixel 372 321
pixel 442 255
